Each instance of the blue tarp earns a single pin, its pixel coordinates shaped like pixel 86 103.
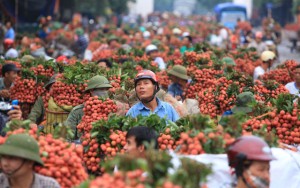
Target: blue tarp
pixel 222 6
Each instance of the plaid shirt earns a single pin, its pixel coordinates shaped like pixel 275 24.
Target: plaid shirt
pixel 39 182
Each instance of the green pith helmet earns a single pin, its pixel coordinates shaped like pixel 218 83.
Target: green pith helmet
pixel 79 31
pixel 111 38
pixel 22 146
pixel 27 58
pixel 179 71
pixel 156 42
pixel 242 102
pixel 98 82
pixel 228 61
pixel 51 81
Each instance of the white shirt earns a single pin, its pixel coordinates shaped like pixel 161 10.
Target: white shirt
pixel 224 34
pixel 258 71
pixel 292 88
pixel 160 62
pixel 216 40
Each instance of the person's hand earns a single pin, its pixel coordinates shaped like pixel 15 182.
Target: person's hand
pixel 16 113
pixel 33 125
pixel 5 93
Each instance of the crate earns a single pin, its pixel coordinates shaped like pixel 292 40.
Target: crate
pixel 54 118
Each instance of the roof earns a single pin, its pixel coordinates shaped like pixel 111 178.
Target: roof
pixel 221 6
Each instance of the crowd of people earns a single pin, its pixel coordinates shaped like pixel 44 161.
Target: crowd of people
pixel 249 156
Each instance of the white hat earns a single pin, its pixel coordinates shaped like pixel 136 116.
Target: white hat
pixel 176 31
pixel 185 34
pixel 146 34
pixel 151 48
pixel 160 31
pixel 11 53
pixel 267 55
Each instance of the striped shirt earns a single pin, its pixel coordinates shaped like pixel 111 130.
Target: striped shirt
pixel 39 182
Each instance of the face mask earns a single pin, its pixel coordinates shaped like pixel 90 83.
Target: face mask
pixel 100 93
pixel 257 181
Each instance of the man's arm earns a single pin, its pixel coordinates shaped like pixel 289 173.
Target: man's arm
pixel 174 114
pixel 37 113
pixel 74 119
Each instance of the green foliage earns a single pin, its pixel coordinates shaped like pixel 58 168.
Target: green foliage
pixel 191 173
pixel 196 121
pixel 268 136
pixel 118 6
pixel 284 102
pixel 79 73
pixel 101 129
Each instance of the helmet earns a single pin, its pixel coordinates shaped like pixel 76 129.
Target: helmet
pixel 112 38
pixel 147 74
pixel 23 146
pixel 258 34
pixel 8 42
pixel 146 34
pixel 228 61
pixel 151 48
pixel 62 59
pixel 98 82
pixel 27 58
pixel 79 31
pixel 176 31
pixel 243 100
pixel 51 81
pixel 179 71
pixel 250 148
pixel 267 55
pixel 185 34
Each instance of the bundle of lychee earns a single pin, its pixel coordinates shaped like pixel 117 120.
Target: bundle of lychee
pixel 196 142
pixel 115 81
pixel 43 71
pixel 283 74
pixel 91 155
pixel 133 179
pixel 166 141
pixel 218 97
pixel 24 90
pixel 100 148
pixel 66 94
pixel 283 121
pixel 267 90
pixel 163 79
pixel 95 109
pixel 62 160
pixel 115 143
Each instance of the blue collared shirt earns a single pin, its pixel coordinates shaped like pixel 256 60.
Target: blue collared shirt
pixel 163 110
pixel 10 34
pixel 175 90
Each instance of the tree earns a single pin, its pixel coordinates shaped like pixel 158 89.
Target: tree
pixel 119 6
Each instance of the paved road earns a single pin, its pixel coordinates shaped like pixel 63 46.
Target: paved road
pixel 284 50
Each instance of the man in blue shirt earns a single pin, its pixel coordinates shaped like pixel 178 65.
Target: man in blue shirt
pixel 180 79
pixel 10 33
pixel 81 43
pixel 146 87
